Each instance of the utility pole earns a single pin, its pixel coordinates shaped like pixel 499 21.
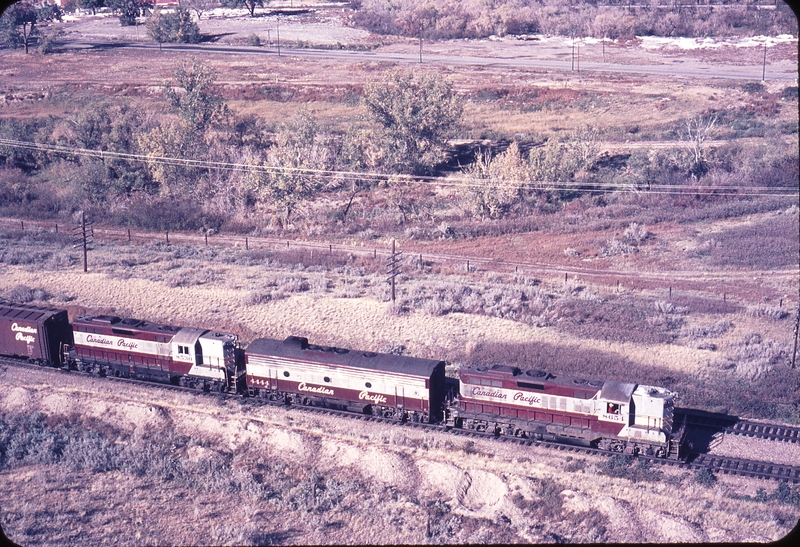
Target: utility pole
pixel 573 51
pixel 393 267
pixel 279 34
pixel 420 43
pixel 796 326
pixel 764 65
pixel 83 236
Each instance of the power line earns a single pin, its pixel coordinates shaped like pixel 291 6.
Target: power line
pixel 358 176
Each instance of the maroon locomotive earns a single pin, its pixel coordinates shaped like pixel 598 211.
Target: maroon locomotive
pixel 406 388
pixel 498 399
pixel 618 416
pixel 197 358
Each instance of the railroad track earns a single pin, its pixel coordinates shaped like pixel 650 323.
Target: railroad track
pixel 719 464
pixel 747 468
pixel 731 425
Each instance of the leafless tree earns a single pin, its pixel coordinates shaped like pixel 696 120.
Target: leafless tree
pixel 696 132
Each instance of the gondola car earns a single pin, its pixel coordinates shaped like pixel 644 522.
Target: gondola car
pixel 392 386
pixel 34 333
pixel 618 416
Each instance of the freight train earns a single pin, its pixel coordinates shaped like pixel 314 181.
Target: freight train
pixel 495 399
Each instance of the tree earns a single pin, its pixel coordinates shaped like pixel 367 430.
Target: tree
pixel 199 104
pixel 293 164
pixel 129 10
pixel 199 6
pixel 495 184
pixel 251 5
pixel 91 4
pixel 414 115
pixel 22 21
pixel 173 27
pixel 696 132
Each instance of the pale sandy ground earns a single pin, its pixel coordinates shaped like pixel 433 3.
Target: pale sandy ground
pixel 478 484
pixel 363 322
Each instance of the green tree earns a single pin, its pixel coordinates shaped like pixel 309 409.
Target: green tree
pixel 251 5
pixel 91 4
pixel 291 173
pixel 199 103
pixel 176 26
pixel 129 10
pixel 21 21
pixel 414 114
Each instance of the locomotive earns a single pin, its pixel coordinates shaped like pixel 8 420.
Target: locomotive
pixel 494 399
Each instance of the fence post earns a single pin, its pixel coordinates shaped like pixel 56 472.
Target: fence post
pixel 287 244
pixel 330 249
pixel 167 237
pixel 246 244
pixel 23 224
pixel 206 234
pixel 129 234
pixel 467 266
pixel 670 293
pixel 57 232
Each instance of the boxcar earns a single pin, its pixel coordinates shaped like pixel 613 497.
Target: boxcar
pixel 404 388
pixel 34 332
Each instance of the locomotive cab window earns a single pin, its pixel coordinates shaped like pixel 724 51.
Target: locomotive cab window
pixel 612 408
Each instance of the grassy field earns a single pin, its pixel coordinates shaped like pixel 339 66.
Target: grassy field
pixel 229 472
pixel 691 284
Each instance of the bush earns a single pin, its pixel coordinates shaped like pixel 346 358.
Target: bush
pixel 705 477
pixel 254 40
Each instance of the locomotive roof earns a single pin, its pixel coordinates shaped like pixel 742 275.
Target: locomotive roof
pixel 528 375
pixel 298 348
pixel 25 312
pixel 127 324
pixel 617 391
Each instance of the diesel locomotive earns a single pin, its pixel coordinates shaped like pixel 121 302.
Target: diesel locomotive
pixel 495 399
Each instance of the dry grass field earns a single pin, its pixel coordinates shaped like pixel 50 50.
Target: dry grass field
pixel 695 293
pixel 190 469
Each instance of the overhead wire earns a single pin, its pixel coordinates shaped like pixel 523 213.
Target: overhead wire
pixel 360 176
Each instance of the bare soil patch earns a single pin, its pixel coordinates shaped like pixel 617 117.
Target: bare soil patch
pixel 386 482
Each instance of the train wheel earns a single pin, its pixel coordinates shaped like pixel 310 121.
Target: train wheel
pixel 480 428
pixel 519 433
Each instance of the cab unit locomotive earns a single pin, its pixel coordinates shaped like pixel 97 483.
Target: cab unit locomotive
pixel 392 386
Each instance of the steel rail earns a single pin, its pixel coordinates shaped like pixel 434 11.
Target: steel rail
pixel 719 464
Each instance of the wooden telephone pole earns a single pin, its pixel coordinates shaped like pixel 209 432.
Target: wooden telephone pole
pixel 83 236
pixel 393 267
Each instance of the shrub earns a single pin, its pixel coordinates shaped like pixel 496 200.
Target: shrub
pixel 23 294
pixel 254 40
pixel 705 477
